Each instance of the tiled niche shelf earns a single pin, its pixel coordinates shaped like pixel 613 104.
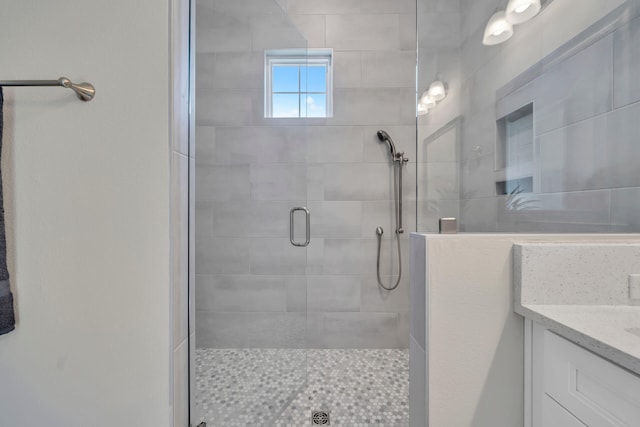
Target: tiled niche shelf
pixel 514 152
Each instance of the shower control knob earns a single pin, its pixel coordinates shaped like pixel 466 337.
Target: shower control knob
pixel 379 231
pixel 400 230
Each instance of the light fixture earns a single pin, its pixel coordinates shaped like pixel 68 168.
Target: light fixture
pixel 498 30
pixel 422 109
pixel 437 91
pixel 520 11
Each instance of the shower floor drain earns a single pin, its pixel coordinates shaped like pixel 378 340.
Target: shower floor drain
pixel 320 418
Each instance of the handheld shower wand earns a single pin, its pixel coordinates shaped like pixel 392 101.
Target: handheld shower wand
pixel 384 136
pixel 398 160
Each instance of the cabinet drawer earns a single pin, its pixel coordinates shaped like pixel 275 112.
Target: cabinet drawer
pixel 554 415
pixel 595 390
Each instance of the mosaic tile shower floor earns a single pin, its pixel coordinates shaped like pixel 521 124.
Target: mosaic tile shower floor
pixel 271 387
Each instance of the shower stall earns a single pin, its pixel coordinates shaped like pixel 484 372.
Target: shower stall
pixel 292 182
pixel 314 135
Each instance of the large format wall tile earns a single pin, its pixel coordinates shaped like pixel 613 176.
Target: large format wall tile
pixel 275 31
pixel 335 219
pixel 220 183
pixel 252 218
pixel 326 7
pixel 358 181
pixel 363 32
pixel 370 106
pixel 576 89
pixel 623 128
pixel 230 70
pixel 235 38
pixel 241 293
pixel 333 293
pixel 626 64
pixel 575 157
pixel 224 107
pixel 333 144
pixel 277 256
pixel 313 29
pixel 347 69
pixel 386 6
pixel 439 31
pixel 388 69
pixel 374 298
pixel 354 330
pixel 205 145
pixel 577 211
pixel 593 154
pixel 278 182
pixel 250 330
pixel 259 145
pixel 625 205
pixel 223 255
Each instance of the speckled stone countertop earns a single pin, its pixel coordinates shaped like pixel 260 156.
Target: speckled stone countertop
pixel 581 292
pixel 612 332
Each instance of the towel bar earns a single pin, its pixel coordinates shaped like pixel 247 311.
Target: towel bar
pixel 84 90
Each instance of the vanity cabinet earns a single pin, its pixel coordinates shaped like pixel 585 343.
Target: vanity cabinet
pixel 566 385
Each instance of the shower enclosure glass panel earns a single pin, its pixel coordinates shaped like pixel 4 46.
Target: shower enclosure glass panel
pixel 271 315
pixel 537 134
pixel 251 302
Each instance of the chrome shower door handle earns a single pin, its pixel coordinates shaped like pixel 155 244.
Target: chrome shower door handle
pixel 291 227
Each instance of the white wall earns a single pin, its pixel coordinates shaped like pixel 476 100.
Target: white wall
pixel 88 215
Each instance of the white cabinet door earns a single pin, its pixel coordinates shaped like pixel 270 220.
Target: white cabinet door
pixel 554 415
pixel 597 392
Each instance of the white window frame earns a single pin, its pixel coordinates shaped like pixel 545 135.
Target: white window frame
pixel 301 57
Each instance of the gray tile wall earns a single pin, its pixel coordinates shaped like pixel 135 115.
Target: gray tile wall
pixel 581 74
pixel 253 288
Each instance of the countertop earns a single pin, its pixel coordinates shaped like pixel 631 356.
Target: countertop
pixel 610 331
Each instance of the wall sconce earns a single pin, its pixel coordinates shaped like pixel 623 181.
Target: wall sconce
pixel 499 29
pixel 430 98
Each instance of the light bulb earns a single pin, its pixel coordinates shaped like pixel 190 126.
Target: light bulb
pixel 437 91
pixel 520 11
pixel 427 100
pixel 498 30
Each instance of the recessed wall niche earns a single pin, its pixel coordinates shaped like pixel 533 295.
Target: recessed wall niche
pixel 514 152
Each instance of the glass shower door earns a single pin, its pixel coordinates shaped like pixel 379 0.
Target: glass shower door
pixel 251 254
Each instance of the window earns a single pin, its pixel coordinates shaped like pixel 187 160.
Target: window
pixel 298 83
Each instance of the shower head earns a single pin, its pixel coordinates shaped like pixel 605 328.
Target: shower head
pixel 384 136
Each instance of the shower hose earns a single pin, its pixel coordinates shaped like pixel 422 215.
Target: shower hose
pixel 397 192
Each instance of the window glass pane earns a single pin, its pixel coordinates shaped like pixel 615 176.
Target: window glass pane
pixel 316 78
pixel 284 78
pixel 313 104
pixel 286 105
